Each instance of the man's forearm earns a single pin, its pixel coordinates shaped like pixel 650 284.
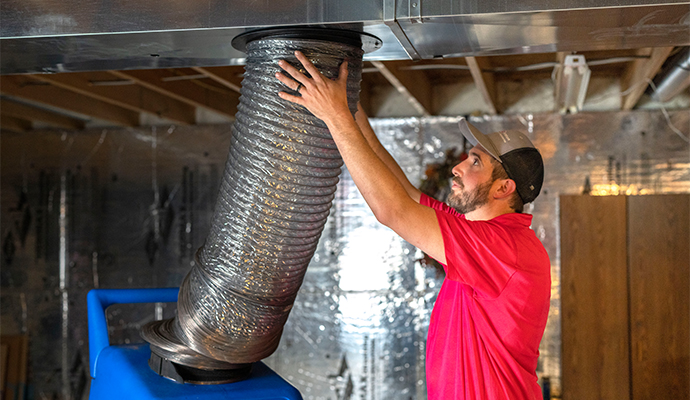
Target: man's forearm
pixel 383 154
pixel 381 189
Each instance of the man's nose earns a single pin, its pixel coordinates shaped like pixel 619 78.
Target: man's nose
pixel 457 169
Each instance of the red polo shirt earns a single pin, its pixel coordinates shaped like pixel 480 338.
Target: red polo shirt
pixel 490 314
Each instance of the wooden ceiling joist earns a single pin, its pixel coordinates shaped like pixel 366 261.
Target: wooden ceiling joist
pixel 483 80
pixel 183 95
pixel 416 89
pixel 226 76
pixel 219 100
pixel 558 85
pixel 637 75
pixel 23 111
pixel 131 97
pixel 14 124
pixel 24 87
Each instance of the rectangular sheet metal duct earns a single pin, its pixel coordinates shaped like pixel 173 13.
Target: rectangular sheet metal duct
pixel 80 35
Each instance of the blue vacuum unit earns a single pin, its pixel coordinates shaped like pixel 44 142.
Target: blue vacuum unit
pixel 127 371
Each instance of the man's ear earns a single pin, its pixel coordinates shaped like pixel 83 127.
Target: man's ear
pixel 506 187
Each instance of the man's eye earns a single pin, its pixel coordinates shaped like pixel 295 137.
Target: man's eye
pixel 475 162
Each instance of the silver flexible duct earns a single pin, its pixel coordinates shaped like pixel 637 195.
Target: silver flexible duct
pixel 675 78
pixel 275 195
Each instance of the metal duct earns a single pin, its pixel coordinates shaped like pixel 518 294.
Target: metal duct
pixel 675 79
pixel 276 193
pixel 89 35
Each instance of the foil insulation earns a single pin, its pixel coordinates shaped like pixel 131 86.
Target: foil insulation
pixel 359 323
pixel 275 195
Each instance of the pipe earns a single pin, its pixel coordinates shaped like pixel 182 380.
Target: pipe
pixel 676 79
pixel 275 195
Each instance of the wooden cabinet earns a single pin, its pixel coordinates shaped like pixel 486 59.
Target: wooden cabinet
pixel 625 297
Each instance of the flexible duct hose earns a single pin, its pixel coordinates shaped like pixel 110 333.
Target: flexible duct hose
pixel 275 195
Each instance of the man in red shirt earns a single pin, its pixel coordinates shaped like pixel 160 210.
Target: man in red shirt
pixel 490 315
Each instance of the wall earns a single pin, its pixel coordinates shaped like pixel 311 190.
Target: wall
pixel 128 208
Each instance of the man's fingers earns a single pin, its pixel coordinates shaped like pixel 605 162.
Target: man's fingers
pixel 289 97
pixel 315 74
pixel 342 75
pixel 287 81
pixel 294 72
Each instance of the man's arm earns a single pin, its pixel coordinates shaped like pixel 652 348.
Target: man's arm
pixel 383 154
pixel 381 189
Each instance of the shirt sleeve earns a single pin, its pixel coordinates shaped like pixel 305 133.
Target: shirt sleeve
pixel 428 201
pixel 480 254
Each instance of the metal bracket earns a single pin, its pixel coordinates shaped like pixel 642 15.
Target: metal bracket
pixel 390 19
pixel 415 11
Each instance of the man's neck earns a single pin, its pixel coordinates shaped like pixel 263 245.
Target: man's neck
pixel 489 211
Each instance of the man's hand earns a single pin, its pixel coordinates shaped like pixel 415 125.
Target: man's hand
pixel 387 197
pixel 323 97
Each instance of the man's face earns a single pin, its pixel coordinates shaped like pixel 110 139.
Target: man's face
pixel 472 182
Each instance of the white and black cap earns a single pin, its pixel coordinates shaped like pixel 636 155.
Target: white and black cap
pixel 513 149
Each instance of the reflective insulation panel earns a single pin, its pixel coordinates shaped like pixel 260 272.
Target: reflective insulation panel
pixel 129 207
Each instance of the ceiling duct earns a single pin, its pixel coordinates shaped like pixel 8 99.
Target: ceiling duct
pixel 83 35
pixel 675 78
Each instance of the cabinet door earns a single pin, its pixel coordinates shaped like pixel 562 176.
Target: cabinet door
pixel 658 229
pixel 594 298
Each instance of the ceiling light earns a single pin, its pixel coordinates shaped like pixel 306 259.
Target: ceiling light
pixel 571 87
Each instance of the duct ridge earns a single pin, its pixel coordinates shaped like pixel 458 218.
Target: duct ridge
pixel 303 195
pixel 293 173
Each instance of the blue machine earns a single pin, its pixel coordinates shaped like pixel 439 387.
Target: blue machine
pixel 122 372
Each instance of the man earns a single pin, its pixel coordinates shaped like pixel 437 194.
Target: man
pixel 490 315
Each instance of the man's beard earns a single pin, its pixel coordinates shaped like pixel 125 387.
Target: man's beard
pixel 465 202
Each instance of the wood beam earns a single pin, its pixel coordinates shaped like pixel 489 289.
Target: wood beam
pixel 483 80
pixel 413 86
pixel 132 97
pixel 23 111
pixel 219 100
pixel 226 76
pixel 25 87
pixel 636 77
pixel 560 56
pixel 560 59
pixel 14 124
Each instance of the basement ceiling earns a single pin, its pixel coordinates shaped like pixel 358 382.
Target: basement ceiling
pixel 81 66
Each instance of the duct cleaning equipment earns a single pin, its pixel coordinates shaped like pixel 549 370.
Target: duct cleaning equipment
pixel 275 195
pixel 121 372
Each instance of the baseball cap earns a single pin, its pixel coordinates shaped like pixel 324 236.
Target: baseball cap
pixel 513 149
